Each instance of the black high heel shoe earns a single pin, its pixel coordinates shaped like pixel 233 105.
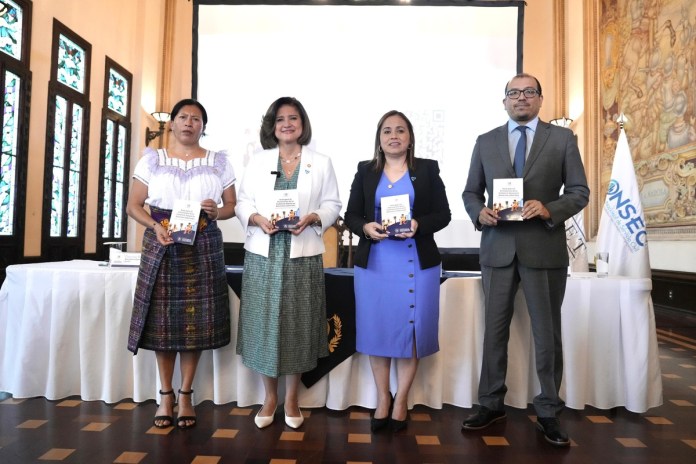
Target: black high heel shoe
pixel 398 425
pixel 181 421
pixel 169 419
pixel 378 424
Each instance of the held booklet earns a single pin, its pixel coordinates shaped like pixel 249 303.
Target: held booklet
pixel 286 213
pixel 508 198
pixel 396 214
pixel 183 224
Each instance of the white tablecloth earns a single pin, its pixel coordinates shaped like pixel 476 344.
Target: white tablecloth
pixel 64 327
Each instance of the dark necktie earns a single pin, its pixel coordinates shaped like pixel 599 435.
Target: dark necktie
pixel 520 151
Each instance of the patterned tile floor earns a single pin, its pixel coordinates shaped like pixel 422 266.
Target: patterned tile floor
pixel 73 431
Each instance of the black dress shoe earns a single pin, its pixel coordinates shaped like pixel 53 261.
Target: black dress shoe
pixel 483 418
pixel 551 428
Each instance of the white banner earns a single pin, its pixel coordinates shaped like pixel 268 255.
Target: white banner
pixel 577 244
pixel 622 229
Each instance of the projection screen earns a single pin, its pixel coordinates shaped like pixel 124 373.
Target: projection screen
pixel 444 64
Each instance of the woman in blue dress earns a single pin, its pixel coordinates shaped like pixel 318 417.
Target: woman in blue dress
pixel 397 273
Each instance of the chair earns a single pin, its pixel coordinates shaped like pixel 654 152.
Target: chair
pixel 337 252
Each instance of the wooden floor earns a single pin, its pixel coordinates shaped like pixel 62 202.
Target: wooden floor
pixel 73 431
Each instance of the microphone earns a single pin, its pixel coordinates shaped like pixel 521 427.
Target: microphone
pixel 276 173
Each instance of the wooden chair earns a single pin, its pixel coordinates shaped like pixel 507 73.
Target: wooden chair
pixel 336 251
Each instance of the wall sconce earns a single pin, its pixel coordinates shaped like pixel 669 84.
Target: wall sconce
pixel 622 120
pixel 562 121
pixel 161 117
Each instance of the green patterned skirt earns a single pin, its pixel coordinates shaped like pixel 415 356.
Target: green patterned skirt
pixel 282 317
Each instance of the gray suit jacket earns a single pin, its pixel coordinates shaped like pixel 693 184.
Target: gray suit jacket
pixel 553 164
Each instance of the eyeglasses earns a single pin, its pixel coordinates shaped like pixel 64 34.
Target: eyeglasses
pixel 528 93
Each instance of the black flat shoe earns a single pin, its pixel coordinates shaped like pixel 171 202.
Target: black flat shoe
pixel 181 421
pixel 483 418
pixel 169 419
pixel 551 428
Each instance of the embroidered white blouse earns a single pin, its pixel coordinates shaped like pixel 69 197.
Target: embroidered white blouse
pixel 168 179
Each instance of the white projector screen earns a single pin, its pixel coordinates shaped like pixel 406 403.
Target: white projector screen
pixel 445 67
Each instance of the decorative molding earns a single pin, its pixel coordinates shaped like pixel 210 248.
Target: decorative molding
pixel 560 32
pixel 673 233
pixel 165 86
pixel 592 138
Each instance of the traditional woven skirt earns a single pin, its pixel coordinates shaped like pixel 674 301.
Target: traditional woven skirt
pixel 181 301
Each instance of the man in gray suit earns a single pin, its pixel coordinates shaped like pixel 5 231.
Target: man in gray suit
pixel 531 252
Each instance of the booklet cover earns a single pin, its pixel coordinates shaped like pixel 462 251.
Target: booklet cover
pixel 183 224
pixel 396 214
pixel 508 198
pixel 286 214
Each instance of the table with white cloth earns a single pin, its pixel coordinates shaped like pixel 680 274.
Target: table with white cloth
pixel 64 329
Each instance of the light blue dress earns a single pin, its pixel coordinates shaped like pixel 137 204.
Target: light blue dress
pixel 397 303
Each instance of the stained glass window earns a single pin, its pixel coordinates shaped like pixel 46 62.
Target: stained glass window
pixel 11 19
pixel 11 44
pixel 71 64
pixel 74 173
pixel 66 151
pixel 57 197
pixel 8 158
pixel 119 197
pixel 115 152
pixel 118 93
pixel 66 174
pixel 15 81
pixel 108 169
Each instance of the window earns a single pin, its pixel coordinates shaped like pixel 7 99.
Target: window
pixel 66 146
pixel 15 79
pixel 10 126
pixel 115 153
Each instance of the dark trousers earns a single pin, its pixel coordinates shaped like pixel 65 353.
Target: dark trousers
pixel 544 290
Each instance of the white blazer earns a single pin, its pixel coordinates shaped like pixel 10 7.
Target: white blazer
pixel 317 190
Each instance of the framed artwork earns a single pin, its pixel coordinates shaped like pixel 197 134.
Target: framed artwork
pixel 645 55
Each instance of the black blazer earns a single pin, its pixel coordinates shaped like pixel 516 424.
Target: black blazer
pixel 430 209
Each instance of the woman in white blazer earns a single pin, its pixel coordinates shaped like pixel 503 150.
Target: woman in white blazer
pixel 282 317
